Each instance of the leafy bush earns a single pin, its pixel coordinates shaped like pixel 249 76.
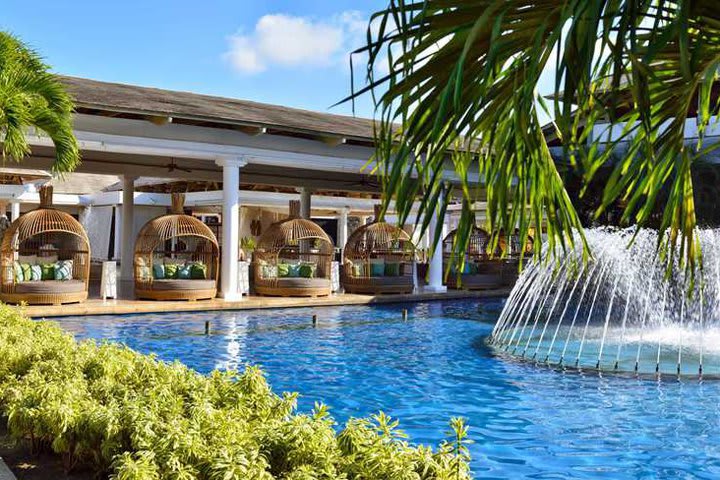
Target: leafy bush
pixel 130 416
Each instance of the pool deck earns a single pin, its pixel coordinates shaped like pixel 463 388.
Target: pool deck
pixel 96 306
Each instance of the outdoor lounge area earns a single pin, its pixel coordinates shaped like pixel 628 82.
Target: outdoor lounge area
pixel 293 258
pixel 45 257
pixel 379 258
pixel 176 257
pixel 480 271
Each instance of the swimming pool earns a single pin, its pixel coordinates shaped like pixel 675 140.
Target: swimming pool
pixel 526 421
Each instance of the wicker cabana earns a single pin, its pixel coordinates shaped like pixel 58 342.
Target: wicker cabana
pixel 292 258
pixel 480 270
pixel 45 257
pixel 176 257
pixel 379 258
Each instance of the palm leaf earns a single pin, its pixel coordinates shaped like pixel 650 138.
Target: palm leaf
pixel 465 73
pixel 32 97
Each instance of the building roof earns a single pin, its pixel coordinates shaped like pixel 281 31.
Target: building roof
pixel 93 96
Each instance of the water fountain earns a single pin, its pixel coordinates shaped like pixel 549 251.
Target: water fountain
pixel 623 311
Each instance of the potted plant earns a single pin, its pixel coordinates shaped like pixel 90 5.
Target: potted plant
pixel 247 246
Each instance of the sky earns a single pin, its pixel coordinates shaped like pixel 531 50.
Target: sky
pixel 287 52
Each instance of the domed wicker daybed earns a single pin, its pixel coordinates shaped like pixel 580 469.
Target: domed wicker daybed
pixel 379 258
pixel 480 271
pixel 45 257
pixel 176 257
pixel 292 258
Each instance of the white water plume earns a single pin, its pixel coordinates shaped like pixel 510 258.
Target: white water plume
pixel 622 311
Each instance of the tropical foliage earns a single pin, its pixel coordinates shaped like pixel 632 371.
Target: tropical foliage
pixel 32 97
pixel 464 77
pixel 115 411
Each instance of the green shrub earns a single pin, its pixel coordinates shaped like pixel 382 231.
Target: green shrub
pixel 128 415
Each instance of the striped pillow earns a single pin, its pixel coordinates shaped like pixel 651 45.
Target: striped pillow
pixel 35 273
pixel 63 270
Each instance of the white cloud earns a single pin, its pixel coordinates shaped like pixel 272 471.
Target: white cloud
pixel 288 41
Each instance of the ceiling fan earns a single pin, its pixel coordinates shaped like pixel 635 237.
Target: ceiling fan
pixel 172 166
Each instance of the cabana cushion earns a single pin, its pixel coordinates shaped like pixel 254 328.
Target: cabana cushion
pixel 301 282
pixel 391 281
pixel 51 287
pixel 183 284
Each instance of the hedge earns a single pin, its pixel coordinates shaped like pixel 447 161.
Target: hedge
pixel 119 413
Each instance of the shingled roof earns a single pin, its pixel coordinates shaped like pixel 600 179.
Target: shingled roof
pixel 95 96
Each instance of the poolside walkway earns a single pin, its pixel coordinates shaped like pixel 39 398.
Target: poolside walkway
pixel 97 306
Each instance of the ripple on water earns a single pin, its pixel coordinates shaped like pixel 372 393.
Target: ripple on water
pixel 526 421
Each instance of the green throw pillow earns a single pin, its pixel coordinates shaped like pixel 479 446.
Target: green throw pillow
pixel 307 270
pixel 392 269
pixel 48 271
pixel 18 272
pixel 63 270
pixel 171 270
pixel 294 270
pixel 26 272
pixel 184 272
pixel 158 271
pixel 198 271
pixel 283 270
pixel 358 269
pixel 35 273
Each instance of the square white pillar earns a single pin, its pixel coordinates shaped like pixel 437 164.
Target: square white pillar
pixel 230 227
pixel 127 242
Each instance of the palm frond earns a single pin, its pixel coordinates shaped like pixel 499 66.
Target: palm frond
pixel 32 97
pixel 464 76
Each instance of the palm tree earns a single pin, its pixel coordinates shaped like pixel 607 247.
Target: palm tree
pixel 463 76
pixel 32 97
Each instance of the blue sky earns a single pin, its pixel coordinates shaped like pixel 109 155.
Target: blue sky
pixel 286 52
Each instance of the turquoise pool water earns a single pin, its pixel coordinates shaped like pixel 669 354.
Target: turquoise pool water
pixel 526 421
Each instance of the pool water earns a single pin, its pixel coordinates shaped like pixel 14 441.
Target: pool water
pixel 526 421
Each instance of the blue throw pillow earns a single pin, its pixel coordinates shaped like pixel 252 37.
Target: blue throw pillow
pixel 158 271
pixel 185 272
pixel 294 270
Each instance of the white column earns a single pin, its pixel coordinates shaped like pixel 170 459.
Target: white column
pixel 127 242
pixel 305 200
pixel 14 211
pixel 230 227
pixel 342 227
pixel 435 269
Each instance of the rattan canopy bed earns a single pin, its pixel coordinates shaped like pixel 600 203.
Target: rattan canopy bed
pixel 176 257
pixel 45 257
pixel 292 258
pixel 379 258
pixel 480 271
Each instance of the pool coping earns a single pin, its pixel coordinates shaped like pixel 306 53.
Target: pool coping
pixel 127 306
